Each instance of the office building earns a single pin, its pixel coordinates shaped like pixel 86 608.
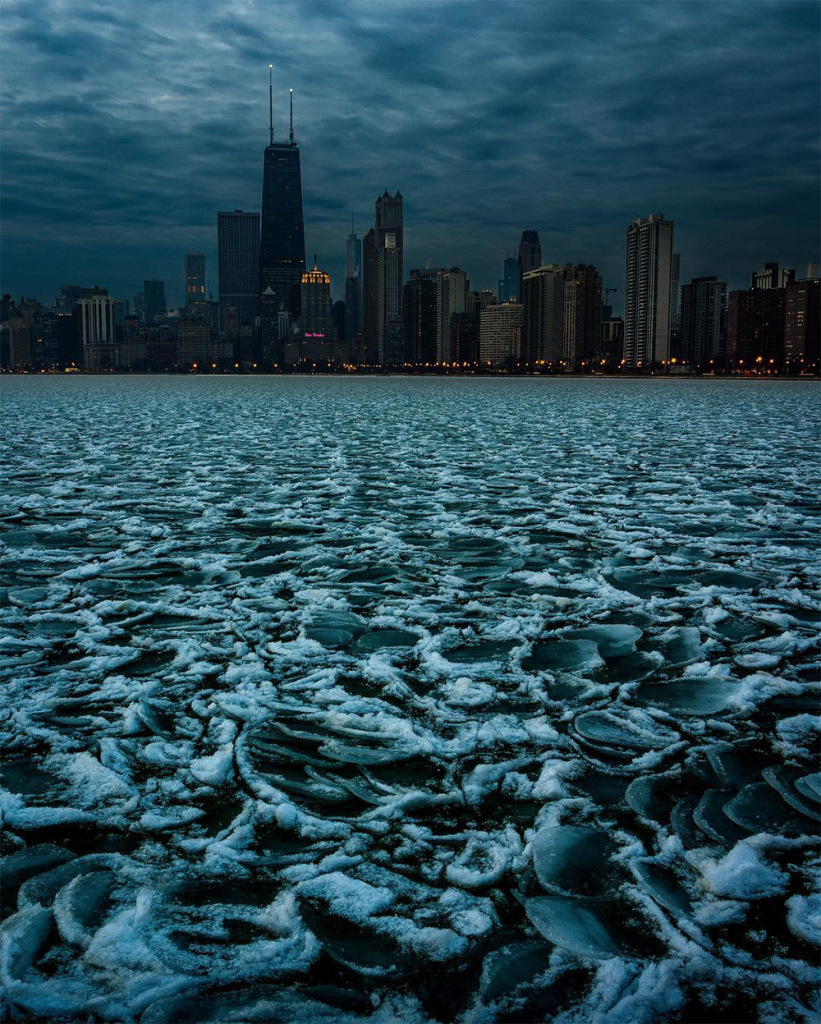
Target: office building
pixel 196 296
pixel 368 350
pixel 543 314
pixel 581 327
pixel 755 328
pixel 154 300
pixel 703 321
pixel 529 258
pixel 316 318
pixel 451 298
pixel 802 324
pixel 500 332
pixel 508 280
pixel 282 237
pixel 419 314
pixel 353 284
pixel 389 240
pixel 389 295
pixel 98 328
pixel 238 268
pixel 648 298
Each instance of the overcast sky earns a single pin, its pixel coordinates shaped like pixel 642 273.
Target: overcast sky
pixel 126 124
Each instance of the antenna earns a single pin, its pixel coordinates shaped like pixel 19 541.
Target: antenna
pixel 291 135
pixel 270 104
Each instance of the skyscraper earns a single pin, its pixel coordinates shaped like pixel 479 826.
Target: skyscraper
pixel 238 266
pixel 389 229
pixel 500 332
pixel 419 312
pixel 282 239
pixel 648 299
pixel 369 349
pixel 196 298
pixel 155 304
pixel 353 284
pixel 581 330
pixel 703 320
pixel 508 280
pixel 530 257
pixel 451 298
pixel 98 329
pixel 542 303
pixel 802 323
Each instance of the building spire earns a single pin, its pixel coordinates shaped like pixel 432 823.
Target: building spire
pixel 270 104
pixel 291 133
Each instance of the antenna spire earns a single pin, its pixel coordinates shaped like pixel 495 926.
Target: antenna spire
pixel 291 134
pixel 270 104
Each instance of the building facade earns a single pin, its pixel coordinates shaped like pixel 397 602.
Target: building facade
pixel 529 258
pixel 703 321
pixel 196 296
pixel 98 330
pixel 500 333
pixel 238 267
pixel 648 298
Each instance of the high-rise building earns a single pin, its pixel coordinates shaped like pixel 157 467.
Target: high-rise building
pixel 282 238
pixel 419 312
pixel 99 330
pixel 196 296
pixel 703 320
pixel 389 228
pixel 316 318
pixel 500 332
pixel 451 298
pixel 802 324
pixel 581 329
pixel 389 296
pixel 508 280
pixel 755 328
pixel 353 284
pixel 155 304
pixel 368 352
pixel 529 258
pixel 648 298
pixel 238 267
pixel 543 314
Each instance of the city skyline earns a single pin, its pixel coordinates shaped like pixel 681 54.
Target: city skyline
pixel 470 187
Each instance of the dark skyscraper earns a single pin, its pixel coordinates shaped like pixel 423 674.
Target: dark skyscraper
pixel 508 280
pixel 370 299
pixel 703 320
pixel 282 241
pixel 530 258
pixel 389 228
pixel 154 292
pixel 238 262
pixel 353 284
pixel 419 309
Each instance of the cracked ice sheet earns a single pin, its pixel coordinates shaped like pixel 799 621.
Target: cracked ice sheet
pixel 295 671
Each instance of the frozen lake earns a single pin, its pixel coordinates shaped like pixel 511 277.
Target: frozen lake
pixel 370 699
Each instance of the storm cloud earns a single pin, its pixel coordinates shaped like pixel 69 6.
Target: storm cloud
pixel 126 126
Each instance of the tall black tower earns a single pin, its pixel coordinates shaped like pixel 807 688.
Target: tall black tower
pixel 282 239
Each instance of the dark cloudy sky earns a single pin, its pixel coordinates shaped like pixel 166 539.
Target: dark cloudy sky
pixel 126 124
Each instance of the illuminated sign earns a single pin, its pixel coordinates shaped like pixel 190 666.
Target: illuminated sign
pixel 313 334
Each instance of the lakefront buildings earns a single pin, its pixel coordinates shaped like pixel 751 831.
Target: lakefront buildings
pixel 272 313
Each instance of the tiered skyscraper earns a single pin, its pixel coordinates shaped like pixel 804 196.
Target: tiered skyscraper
pixel 282 239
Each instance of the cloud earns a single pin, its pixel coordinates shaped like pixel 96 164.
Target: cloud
pixel 127 126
